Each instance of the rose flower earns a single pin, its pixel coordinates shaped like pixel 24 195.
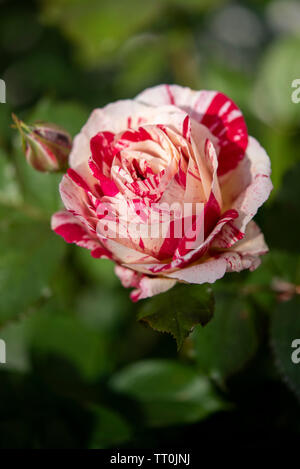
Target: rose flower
pixel 166 186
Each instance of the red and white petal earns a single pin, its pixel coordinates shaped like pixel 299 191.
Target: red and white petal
pixel 68 226
pixel 125 226
pixel 253 243
pixel 245 253
pixel 144 286
pixel 212 109
pixel 205 157
pixel 245 190
pixel 181 261
pixel 129 278
pixel 206 272
pixel 123 252
pixel 77 202
pixel 151 286
pixel 115 117
pixel 102 150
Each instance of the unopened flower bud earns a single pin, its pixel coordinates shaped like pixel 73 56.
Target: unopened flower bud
pixel 46 146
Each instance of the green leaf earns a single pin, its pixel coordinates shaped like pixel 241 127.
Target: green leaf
pixel 99 30
pixel 29 256
pixel 285 328
pixel 54 332
pixel 229 341
pixel 178 310
pixel 168 392
pixel 109 428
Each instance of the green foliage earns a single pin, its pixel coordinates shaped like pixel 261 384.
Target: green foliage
pixel 140 70
pixel 101 272
pixel 100 29
pixel 285 329
pixel 168 392
pixel 229 341
pixel 109 428
pixel 178 310
pixel 30 254
pixel 67 336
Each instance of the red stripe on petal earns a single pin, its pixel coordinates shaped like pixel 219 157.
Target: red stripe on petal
pixel 101 252
pixel 170 95
pixel 95 169
pixel 108 186
pixel 212 213
pixel 71 232
pixel 139 135
pixel 102 149
pixel 180 176
pixel 225 121
pixel 195 254
pixel 170 243
pixel 186 128
pixel 78 179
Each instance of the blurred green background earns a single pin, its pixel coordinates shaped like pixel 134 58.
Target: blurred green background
pixel 81 372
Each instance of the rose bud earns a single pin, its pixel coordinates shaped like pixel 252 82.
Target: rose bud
pixel 46 146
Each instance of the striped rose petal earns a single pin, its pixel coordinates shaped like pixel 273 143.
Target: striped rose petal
pixel 214 110
pixel 69 227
